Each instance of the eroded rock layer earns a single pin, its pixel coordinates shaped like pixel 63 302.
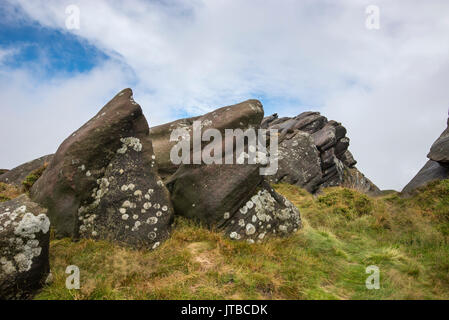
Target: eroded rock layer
pixel 313 153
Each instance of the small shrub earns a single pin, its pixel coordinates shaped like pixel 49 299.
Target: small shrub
pixel 31 179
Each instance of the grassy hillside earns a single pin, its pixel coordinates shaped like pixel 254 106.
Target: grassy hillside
pixel 344 232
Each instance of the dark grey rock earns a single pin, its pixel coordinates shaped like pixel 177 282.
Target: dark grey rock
pixel 103 181
pixel 298 162
pixel 24 243
pixel 332 164
pixel 231 197
pixel 17 175
pixel 348 159
pixel 440 149
pixel 248 114
pixel 431 171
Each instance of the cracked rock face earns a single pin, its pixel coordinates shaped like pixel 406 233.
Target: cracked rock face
pixel 24 241
pixel 103 181
pixel 313 154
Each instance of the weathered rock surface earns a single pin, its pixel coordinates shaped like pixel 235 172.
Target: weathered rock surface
pixel 232 197
pixel 431 171
pixel 439 151
pixel 3 171
pixel 247 114
pixel 103 181
pixel 299 162
pixel 18 174
pixel 313 154
pixel 24 241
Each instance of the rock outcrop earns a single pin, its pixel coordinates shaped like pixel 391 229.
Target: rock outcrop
pixel 313 153
pixel 24 242
pixel 437 168
pixel 439 151
pixel 17 175
pixel 431 171
pixel 103 183
pixel 3 171
pixel 232 197
pixel 244 115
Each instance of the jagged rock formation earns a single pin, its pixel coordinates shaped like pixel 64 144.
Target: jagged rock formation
pixel 437 168
pixel 103 181
pixel 234 198
pixel 24 241
pixel 439 151
pixel 17 175
pixel 313 153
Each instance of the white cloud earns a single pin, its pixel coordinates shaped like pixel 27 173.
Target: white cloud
pixel 386 86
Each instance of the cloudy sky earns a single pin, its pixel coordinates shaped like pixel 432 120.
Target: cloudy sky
pixel 388 86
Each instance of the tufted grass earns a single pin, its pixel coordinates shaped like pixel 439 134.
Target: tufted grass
pixel 344 232
pixel 8 192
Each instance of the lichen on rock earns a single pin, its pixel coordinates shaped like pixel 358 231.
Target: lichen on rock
pixel 24 242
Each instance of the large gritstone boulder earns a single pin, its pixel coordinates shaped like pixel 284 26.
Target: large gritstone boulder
pixel 313 154
pixel 17 175
pixel 103 181
pixel 439 151
pixel 24 241
pixel 232 197
pixel 244 115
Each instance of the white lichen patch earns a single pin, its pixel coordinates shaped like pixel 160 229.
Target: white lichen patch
pixel 264 212
pixel 156 245
pixel 130 142
pixel 152 220
pixel 250 229
pixel 152 235
pixel 24 245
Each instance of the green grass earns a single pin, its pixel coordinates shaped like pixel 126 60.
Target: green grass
pixel 31 179
pixel 344 232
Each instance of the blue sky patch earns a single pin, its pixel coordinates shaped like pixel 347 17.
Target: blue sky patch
pixel 54 51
